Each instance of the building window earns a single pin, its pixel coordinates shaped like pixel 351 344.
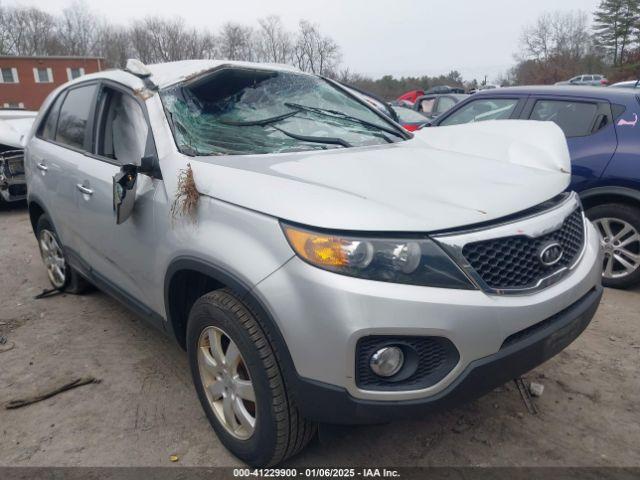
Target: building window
pixel 13 105
pixel 43 75
pixel 74 73
pixel 8 75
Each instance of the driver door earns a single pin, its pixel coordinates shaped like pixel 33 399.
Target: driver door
pixel 121 256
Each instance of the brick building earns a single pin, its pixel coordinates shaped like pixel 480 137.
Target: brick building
pixel 26 81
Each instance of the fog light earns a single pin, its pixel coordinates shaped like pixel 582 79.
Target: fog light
pixel 387 361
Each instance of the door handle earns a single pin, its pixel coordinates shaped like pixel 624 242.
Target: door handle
pixel 83 189
pixel 42 166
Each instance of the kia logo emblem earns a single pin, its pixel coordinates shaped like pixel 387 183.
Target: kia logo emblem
pixel 550 254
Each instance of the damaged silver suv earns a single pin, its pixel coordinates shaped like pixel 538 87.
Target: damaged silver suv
pixel 317 262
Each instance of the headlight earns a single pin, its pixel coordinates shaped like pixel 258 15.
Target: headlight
pixel 415 261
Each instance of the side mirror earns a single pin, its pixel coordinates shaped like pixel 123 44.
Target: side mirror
pixel 124 192
pixel 124 186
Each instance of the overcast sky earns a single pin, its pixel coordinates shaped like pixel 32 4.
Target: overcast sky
pixel 398 37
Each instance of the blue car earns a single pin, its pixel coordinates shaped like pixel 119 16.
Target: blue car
pixel 603 134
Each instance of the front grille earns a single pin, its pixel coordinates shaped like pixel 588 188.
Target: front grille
pixel 427 361
pixel 513 262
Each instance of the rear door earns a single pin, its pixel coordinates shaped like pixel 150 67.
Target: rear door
pixel 587 125
pixel 62 141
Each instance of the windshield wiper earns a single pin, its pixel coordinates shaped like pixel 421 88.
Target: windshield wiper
pixel 306 138
pixel 335 113
pixel 261 123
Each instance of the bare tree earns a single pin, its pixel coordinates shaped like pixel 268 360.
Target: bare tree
pixel 273 42
pixel 237 42
pixel 557 34
pixel 314 52
pixel 27 31
pixel 155 39
pixel 5 41
pixel 114 45
pixel 78 30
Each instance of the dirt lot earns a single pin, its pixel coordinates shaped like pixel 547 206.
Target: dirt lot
pixel 145 409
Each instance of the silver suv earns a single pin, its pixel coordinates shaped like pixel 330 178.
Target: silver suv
pixel 317 262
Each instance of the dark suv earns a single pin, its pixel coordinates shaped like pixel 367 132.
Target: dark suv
pixel 603 134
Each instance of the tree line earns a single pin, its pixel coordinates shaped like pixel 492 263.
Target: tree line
pixel 556 46
pixel 78 31
pixel 560 45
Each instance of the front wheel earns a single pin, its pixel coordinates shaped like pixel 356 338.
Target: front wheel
pixel 239 383
pixel 619 227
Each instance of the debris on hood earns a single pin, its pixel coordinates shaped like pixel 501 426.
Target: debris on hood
pixel 185 203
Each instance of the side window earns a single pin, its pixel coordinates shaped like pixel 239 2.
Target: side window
pixel 587 78
pixel 444 104
pixel 48 128
pixel 426 105
pixel 481 110
pixel 123 130
pixel 74 114
pixel 576 119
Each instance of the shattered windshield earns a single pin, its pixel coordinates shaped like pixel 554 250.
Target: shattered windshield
pixel 242 111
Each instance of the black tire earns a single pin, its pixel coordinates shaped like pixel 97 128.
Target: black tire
pixel 74 282
pixel 630 215
pixel 280 431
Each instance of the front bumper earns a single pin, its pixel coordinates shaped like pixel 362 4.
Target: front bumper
pixel 14 190
pixel 326 403
pixel 322 316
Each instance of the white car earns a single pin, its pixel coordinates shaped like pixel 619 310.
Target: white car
pixel 14 127
pixel 627 84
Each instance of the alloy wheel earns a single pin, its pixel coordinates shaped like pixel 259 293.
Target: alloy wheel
pixel 53 258
pixel 621 244
pixel 227 383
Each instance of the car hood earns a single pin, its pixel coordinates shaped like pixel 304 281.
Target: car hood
pixel 13 131
pixel 443 178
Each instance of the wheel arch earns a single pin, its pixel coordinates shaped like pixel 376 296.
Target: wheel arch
pixel 36 210
pixel 601 195
pixel 188 278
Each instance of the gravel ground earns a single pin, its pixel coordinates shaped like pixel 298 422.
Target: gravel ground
pixel 145 409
